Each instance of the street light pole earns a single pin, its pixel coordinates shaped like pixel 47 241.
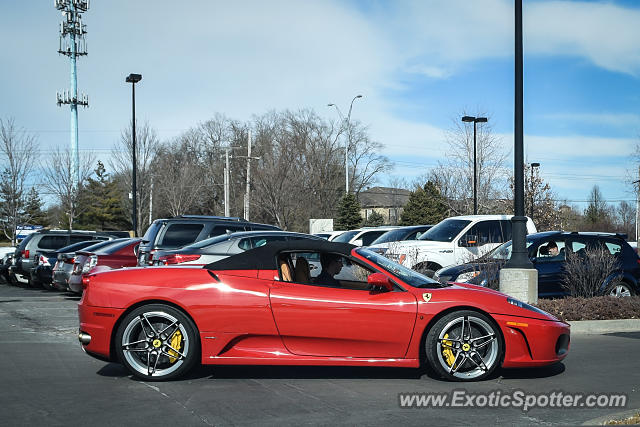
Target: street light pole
pixel 475 158
pixel 519 257
pixel 133 79
pixel 533 165
pixel 345 123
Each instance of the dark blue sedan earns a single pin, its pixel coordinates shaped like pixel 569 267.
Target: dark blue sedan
pixel 548 253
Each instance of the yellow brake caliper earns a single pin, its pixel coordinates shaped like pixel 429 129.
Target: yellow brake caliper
pixel 447 352
pixel 176 342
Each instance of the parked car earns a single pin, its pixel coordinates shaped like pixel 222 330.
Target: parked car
pixel 624 280
pixel 43 272
pixel 217 248
pixel 363 236
pixel 329 235
pixel 412 232
pixel 174 233
pixel 119 254
pixel 455 240
pixel 66 258
pixel 6 261
pixel 254 308
pixel 26 255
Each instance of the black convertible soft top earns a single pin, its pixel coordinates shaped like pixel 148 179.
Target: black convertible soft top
pixel 266 257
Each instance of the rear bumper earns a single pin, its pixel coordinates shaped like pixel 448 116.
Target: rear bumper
pixel 75 283
pixel 533 342
pixel 98 322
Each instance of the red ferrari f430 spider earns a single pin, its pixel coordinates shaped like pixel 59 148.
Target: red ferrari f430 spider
pixel 309 303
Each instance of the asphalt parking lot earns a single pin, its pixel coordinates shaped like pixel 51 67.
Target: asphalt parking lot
pixel 47 380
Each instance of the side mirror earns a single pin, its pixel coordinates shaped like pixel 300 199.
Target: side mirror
pixel 469 240
pixel 379 280
pixel 357 242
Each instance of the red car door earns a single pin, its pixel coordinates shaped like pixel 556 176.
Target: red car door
pixel 326 321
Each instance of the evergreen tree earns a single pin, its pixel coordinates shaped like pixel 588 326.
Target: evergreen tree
pixel 348 213
pixel 102 200
pixel 375 220
pixel 33 209
pixel 426 205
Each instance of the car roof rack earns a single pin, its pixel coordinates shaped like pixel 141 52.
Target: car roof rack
pixel 225 218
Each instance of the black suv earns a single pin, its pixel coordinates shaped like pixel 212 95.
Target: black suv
pixel 28 252
pixel 547 251
pixel 174 233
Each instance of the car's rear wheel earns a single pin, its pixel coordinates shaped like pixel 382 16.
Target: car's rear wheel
pixel 157 342
pixel 619 289
pixel 464 346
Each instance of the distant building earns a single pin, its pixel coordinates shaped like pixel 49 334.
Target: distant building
pixel 386 201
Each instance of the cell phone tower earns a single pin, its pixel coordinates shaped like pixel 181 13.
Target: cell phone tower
pixel 73 44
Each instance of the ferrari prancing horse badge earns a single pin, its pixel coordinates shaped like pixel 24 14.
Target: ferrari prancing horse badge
pixel 426 297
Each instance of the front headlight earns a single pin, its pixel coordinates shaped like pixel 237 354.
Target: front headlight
pixel 526 306
pixel 465 277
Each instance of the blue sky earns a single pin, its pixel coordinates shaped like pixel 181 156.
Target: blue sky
pixel 418 65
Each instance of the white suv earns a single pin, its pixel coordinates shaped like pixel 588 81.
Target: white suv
pixel 455 240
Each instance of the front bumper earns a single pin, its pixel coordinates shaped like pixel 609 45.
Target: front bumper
pixel 98 323
pixel 533 342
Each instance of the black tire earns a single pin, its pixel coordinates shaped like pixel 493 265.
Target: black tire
pixel 472 355
pixel 147 339
pixel 619 289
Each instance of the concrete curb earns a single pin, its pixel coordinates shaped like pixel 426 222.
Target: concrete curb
pixel 596 327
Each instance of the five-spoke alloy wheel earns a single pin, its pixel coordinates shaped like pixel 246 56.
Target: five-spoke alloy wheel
pixel 157 342
pixel 464 346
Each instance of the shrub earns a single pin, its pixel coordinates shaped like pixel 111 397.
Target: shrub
pixel 586 271
pixel 596 308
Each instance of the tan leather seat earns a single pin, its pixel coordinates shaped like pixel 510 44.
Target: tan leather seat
pixel 301 273
pixel 285 271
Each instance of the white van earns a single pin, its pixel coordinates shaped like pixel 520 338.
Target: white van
pixel 453 241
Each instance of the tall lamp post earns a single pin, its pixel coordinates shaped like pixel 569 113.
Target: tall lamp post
pixel 533 165
pixel 133 79
pixel 345 123
pixel 475 158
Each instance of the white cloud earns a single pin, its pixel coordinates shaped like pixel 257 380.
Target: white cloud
pixel 448 35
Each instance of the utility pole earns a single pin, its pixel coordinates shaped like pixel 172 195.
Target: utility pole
pixel 151 202
pixel 637 204
pixel 248 189
pixel 247 193
pixel 73 44
pixel 226 182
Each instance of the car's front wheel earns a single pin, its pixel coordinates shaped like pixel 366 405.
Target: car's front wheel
pixel 157 342
pixel 464 346
pixel 619 289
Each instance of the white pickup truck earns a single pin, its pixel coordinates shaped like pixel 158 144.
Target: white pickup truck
pixel 453 241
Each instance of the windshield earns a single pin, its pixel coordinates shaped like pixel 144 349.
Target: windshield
pixel 503 252
pixel 152 231
pixel 445 231
pixel 346 236
pixel 407 275
pixel 208 242
pixel 390 236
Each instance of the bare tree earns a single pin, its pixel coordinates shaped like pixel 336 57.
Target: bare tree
pixel 365 162
pixel 179 175
pixel 18 150
pixel 146 145
pixel 454 176
pixel 626 215
pixel 59 180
